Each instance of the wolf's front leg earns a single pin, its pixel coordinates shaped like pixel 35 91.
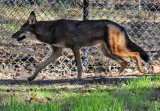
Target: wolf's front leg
pixel 76 52
pixel 55 54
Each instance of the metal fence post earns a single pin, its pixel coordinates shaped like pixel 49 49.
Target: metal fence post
pixel 85 17
pixel 139 4
pixel 85 9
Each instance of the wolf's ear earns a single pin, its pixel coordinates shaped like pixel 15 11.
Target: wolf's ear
pixel 32 18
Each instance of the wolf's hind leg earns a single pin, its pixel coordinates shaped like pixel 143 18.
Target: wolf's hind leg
pixel 55 54
pixel 135 55
pixel 120 60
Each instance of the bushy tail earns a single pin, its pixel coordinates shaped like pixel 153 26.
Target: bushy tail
pixel 135 48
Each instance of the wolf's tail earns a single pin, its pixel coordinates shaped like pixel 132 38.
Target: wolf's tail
pixel 135 48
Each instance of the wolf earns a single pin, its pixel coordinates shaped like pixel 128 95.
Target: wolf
pixel 111 37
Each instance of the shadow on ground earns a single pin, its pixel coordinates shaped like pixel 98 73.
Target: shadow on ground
pixel 90 80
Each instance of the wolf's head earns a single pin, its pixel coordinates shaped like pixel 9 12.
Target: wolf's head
pixel 27 30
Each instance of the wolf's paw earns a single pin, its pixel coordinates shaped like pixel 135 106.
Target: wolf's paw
pixel 79 77
pixel 141 71
pixel 30 78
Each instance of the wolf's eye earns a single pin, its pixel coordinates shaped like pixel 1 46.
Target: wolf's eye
pixel 20 30
pixel 31 30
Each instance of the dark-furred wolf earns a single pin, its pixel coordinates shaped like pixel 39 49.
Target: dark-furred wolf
pixel 112 38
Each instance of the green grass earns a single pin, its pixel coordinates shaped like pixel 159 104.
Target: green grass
pixel 141 94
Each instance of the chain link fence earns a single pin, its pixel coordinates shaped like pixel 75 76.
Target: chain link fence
pixel 139 17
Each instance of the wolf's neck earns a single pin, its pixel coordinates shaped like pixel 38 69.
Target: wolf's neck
pixel 44 31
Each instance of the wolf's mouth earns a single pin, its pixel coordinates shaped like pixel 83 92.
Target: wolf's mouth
pixel 21 38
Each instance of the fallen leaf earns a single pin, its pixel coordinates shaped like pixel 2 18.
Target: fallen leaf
pixel 33 97
pixel 156 69
pixel 4 42
pixel 17 9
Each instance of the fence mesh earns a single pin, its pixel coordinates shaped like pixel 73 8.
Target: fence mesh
pixel 139 17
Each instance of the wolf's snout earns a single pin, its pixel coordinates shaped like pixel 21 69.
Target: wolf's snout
pixel 21 38
pixel 15 35
pixel 18 36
